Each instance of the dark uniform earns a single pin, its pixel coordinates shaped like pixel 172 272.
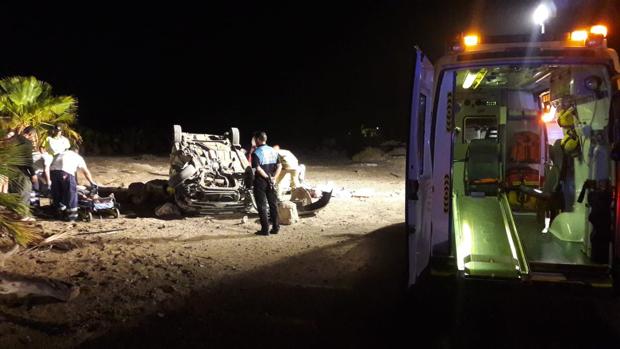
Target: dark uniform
pixel 264 191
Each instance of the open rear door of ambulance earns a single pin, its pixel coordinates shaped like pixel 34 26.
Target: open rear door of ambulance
pixel 419 171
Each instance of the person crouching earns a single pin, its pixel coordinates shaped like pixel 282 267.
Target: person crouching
pixel 63 171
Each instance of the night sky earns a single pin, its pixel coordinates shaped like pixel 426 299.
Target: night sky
pixel 307 69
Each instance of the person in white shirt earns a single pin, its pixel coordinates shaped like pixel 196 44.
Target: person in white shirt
pixel 290 166
pixel 63 171
pixel 42 161
pixel 56 143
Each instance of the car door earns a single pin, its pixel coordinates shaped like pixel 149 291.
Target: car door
pixel 419 171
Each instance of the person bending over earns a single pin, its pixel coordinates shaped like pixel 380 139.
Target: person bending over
pixel 63 171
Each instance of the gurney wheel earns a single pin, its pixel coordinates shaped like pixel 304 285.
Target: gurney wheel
pixel 116 213
pixel 88 216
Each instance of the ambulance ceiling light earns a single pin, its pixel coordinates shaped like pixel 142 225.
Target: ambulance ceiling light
pixel 469 80
pixel 550 115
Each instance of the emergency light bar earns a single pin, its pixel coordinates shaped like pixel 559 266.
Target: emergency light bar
pixel 594 37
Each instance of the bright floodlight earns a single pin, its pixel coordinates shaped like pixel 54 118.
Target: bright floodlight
pixel 541 15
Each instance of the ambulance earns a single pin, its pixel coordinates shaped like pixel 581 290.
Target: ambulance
pixel 513 158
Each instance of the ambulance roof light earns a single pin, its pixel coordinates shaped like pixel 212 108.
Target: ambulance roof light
pixel 599 30
pixel 471 40
pixel 579 35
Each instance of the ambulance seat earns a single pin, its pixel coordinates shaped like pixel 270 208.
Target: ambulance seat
pixel 482 166
pixel 549 193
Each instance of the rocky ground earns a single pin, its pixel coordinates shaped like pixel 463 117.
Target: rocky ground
pixel 136 271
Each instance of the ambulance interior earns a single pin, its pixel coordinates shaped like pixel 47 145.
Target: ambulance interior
pixel 526 140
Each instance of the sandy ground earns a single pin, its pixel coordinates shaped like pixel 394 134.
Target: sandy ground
pixel 334 280
pixel 214 269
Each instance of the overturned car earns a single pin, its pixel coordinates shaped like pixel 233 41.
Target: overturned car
pixel 210 173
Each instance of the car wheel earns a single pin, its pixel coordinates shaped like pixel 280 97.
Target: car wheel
pixel 234 136
pixel 177 133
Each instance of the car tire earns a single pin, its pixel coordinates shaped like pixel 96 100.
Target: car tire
pixel 235 138
pixel 176 129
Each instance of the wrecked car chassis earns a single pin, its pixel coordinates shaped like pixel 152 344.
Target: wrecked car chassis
pixel 209 174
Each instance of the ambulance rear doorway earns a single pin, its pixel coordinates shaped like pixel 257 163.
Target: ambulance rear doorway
pixel 530 163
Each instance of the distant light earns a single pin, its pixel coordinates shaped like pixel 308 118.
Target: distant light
pixel 469 80
pixel 541 16
pixel 579 35
pixel 599 30
pixel 471 40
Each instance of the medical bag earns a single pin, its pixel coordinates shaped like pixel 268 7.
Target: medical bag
pixel 522 176
pixel 526 147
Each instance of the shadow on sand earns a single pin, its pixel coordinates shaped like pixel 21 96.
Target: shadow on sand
pixel 352 294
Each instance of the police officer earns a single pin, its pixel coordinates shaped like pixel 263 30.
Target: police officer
pixel 267 166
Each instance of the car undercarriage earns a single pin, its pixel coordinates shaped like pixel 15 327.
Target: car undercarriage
pixel 210 173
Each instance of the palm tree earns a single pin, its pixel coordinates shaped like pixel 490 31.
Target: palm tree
pixel 12 208
pixel 26 101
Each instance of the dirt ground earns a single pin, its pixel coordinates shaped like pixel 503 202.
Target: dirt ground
pixel 333 280
pixel 211 277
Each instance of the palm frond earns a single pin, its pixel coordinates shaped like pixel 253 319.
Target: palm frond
pixel 26 101
pixel 22 233
pixel 14 154
pixel 14 203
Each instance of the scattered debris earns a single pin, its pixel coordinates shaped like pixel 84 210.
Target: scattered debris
pixel 158 174
pixel 369 154
pixel 302 196
pixel 287 213
pixel 168 211
pixel 395 175
pixel 27 285
pixel 363 193
pixel 244 220
pixel 110 231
